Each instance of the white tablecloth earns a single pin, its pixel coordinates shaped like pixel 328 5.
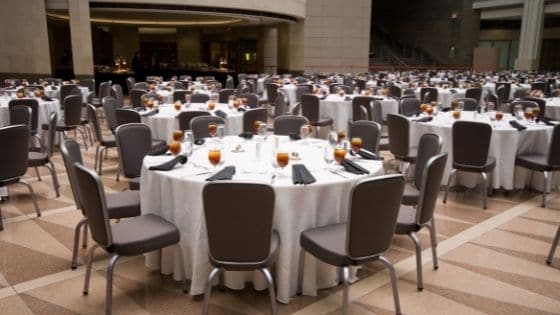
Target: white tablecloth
pixel 50 92
pixel 177 196
pixel 490 87
pixel 45 110
pixel 340 110
pixel 290 90
pixel 165 122
pixel 445 96
pixel 505 144
pixel 553 108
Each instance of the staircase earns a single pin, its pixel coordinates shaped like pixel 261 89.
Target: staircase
pixel 390 52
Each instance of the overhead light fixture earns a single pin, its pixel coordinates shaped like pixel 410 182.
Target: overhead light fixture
pixel 151 22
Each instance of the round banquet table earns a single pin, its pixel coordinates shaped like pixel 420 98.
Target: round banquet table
pixel 55 93
pixel 176 195
pixel 45 110
pixel 165 121
pixel 339 108
pixel 553 108
pixel 505 144
pixel 445 96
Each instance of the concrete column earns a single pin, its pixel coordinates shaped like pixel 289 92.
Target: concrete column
pixel 291 47
pixel 531 35
pixel 189 49
pixel 268 49
pixel 80 35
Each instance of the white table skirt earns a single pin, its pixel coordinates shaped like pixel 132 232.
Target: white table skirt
pixel 177 197
pixel 505 144
pixel 165 122
pixel 340 110
pixel 45 110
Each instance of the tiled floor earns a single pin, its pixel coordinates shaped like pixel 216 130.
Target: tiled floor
pixel 491 262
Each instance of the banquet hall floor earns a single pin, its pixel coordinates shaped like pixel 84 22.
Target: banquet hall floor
pixel 491 262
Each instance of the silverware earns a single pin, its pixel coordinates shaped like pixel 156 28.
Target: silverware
pixel 338 173
pixel 272 179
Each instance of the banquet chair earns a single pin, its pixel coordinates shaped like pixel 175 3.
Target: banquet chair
pixel 178 85
pixel 361 108
pixel 120 205
pixel 491 97
pixel 271 92
pixel 13 166
pixel 369 132
pixel 310 110
pixel 252 99
pixel 130 116
pixel 409 106
pixel 72 118
pixel 377 113
pixel 251 116
pixel 520 93
pixel 20 115
pixel 540 86
pixel 34 122
pixel 399 140
pixel 105 142
pixel 524 103
pixel 130 83
pixel 223 95
pixel 199 125
pixel 364 238
pixel 286 125
pixel 184 118
pixel 240 234
pixel 109 107
pixel 66 90
pixel 140 86
pixel 545 163
pixel 136 97
pixel 132 237
pixel 413 218
pixel 471 156
pixel 395 91
pixel 44 157
pixel 117 93
pixel 280 106
pixel 428 94
pixel 229 82
pixel 302 89
pixel 474 93
pixel 134 142
pixel 469 104
pixel 199 98
pixel 179 95
pixel 89 83
pixel 503 90
pixel 103 90
pixel 409 92
pixel 428 147
pixel 541 102
pixel 361 84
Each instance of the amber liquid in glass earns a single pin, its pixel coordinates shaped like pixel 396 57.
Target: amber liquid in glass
pixel 211 105
pixel 178 135
pixel 175 147
pixel 356 144
pixel 339 154
pixel 456 114
pixel 214 156
pixel 212 129
pixel 499 115
pixel 282 158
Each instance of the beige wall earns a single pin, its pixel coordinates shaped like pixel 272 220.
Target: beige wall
pixel 24 43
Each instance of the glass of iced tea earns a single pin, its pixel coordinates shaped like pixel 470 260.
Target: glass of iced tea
pixel 177 106
pixel 529 113
pixel 423 108
pixel 212 129
pixel 356 144
pixel 178 135
pixel 430 110
pixel 214 156
pixel 211 105
pixel 536 112
pixel 499 115
pixel 282 159
pixel 456 114
pixel 175 147
pixel 339 154
pixel 341 135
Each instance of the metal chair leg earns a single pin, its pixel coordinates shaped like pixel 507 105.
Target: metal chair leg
pixel 109 296
pixel 76 242
pixel 83 137
pixel 432 228
pixel 1 223
pixel 33 197
pixel 545 188
pixel 396 300
pixel 418 249
pixel 208 292
pixel 300 272
pixel 88 269
pixel 271 292
pixel 552 249
pixel 54 177
pixel 85 236
pixel 37 172
pixel 345 288
pixel 485 190
pixel 449 179
pixel 96 157
pixel 179 253
pixel 103 149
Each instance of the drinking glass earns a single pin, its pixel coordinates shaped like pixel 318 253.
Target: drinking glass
pixel 356 144
pixel 221 131
pixel 178 135
pixel 333 138
pixel 282 159
pixel 529 114
pixel 214 156
pixel 339 154
pixel 304 131
pixel 175 147
pixel 261 130
pixel 212 129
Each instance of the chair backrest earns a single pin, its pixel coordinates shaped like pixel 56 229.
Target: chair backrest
pixel 229 82
pixel 271 91
pixel 369 131
pixel 502 91
pixel 491 97
pixel 51 134
pixel 15 141
pixel 71 154
pixel 127 116
pixel 428 146
pixel 310 107
pixel 252 99
pixel 239 222
pixel 94 205
pixel 409 106
pixel 377 112
pixel 288 124
pixel 469 103
pixel 199 125
pixel 104 89
pixel 136 97
pixel 179 95
pixel 361 108
pixel 540 102
pixel 280 104
pixel 92 116
pixel 130 83
pixel 31 103
pixel 541 86
pixel 223 95
pixel 140 86
pixel 20 115
pixel 428 94
pixel 395 91
pixel 398 127
pixel 65 90
pixel 430 187
pixel 134 142
pixel 89 83
pixel 474 93
pixel 465 150
pixel 252 115
pixel 178 85
pixel 372 216
pixel 524 103
pixel 110 108
pixel 185 118
pixel 302 89
pixel 72 110
pixel 117 93
pixel 553 158
pixel 200 98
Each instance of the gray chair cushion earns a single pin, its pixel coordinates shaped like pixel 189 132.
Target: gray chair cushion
pixel 123 204
pixel 142 234
pixel 411 195
pixel 134 183
pixel 241 266
pixel 487 167
pixel 406 221
pixel 536 162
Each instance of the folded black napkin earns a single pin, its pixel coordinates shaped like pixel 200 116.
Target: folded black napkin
pixel 353 168
pixel 199 141
pixel 424 119
pixel 169 165
pixel 294 136
pixel 247 135
pixel 54 88
pixel 225 174
pixel 301 175
pixel 140 109
pixel 347 98
pixel 241 109
pixel 365 154
pixel 546 120
pixel 322 97
pixel 517 125
pixel 453 91
pixel 220 113
pixel 378 98
pixel 447 109
pixel 159 150
pixel 150 113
